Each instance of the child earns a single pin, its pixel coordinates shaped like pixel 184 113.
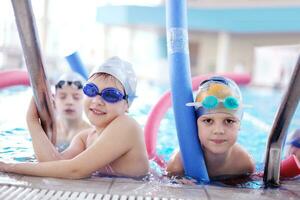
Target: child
pixel 219 110
pixel 294 144
pixel 113 146
pixel 68 103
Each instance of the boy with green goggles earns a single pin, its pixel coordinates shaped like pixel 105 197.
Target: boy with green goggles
pixel 219 109
pixel 218 94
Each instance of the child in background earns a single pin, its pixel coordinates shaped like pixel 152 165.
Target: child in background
pixel 68 104
pixel 294 145
pixel 113 146
pixel 219 111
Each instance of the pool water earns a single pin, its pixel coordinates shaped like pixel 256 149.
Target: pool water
pixel 15 142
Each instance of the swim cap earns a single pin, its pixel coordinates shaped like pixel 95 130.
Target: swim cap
pixel 218 95
pixel 122 71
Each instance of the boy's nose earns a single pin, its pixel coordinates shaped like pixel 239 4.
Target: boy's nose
pixel 218 130
pixel 69 100
pixel 98 99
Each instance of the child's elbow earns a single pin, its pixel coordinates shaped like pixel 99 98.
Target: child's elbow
pixel 76 172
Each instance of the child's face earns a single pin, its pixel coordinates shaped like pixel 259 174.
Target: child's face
pixel 99 112
pixel 218 132
pixel 69 102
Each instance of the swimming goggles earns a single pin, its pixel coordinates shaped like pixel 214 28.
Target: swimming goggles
pixel 211 102
pixel 110 94
pixel 61 83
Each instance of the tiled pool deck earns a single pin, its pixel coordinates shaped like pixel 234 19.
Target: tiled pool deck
pixel 26 187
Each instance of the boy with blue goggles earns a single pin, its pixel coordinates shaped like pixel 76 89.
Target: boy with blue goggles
pixel 95 149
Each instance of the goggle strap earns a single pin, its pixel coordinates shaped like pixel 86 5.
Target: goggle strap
pixel 196 104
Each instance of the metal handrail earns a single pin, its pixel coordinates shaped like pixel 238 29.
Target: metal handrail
pixel 279 129
pixel 34 62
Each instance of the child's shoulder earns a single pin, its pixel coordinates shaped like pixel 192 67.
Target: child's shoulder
pixel 126 122
pixel 240 152
pixel 245 160
pixel 123 127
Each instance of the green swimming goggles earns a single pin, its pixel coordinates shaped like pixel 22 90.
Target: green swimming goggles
pixel 212 102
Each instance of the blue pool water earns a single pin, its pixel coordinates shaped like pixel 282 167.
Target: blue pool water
pixel 15 142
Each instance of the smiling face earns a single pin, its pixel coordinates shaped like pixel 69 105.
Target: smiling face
pixel 69 102
pixel 218 132
pixel 99 112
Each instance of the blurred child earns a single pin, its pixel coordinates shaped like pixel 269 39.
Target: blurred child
pixel 113 146
pixel 219 111
pixel 294 144
pixel 68 98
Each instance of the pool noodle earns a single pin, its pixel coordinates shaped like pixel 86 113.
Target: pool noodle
pixel 77 65
pixel 178 57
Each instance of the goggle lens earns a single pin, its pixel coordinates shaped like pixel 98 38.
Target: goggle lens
pixel 90 90
pixel 111 95
pixel 210 102
pixel 231 103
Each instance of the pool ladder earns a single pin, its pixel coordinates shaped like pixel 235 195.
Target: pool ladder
pixel 279 129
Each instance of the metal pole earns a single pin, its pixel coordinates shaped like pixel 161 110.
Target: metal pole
pixel 30 44
pixel 279 129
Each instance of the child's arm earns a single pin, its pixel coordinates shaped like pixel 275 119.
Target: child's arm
pixel 117 139
pixel 175 166
pixel 59 169
pixel 43 148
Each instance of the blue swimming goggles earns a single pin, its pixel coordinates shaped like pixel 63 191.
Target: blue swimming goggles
pixel 110 94
pixel 212 102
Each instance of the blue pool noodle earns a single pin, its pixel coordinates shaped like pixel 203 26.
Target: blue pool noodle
pixel 181 90
pixel 77 65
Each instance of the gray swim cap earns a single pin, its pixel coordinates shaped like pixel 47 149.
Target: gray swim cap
pixel 122 71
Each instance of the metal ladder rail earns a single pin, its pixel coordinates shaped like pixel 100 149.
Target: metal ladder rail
pixel 279 129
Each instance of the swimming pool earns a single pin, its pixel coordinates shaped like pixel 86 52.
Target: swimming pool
pixel 15 142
